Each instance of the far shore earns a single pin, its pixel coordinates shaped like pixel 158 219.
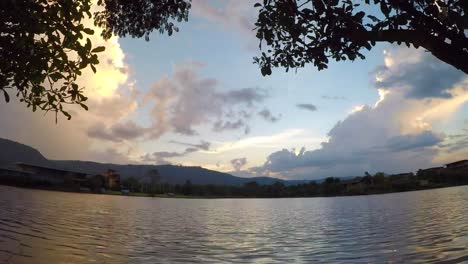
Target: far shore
pixel 181 196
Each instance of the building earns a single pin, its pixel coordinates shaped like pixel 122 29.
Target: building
pixel 461 164
pixel 54 176
pixel 432 171
pixel 15 177
pixel 42 176
pixel 355 184
pixel 111 180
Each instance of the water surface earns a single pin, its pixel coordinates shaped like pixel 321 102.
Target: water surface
pixel 54 227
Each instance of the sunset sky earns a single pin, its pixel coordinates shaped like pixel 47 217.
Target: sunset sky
pixel 196 98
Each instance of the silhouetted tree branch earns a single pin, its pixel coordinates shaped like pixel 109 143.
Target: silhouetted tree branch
pixel 300 32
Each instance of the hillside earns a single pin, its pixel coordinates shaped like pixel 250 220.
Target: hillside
pixel 12 152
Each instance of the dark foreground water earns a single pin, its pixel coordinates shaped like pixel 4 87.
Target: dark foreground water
pixel 54 227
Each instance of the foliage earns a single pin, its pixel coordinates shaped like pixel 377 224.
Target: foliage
pixel 43 49
pixel 298 32
pixel 139 18
pixel 44 45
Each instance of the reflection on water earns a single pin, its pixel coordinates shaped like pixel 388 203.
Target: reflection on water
pixel 53 227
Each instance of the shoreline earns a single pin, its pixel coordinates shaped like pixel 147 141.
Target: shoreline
pixel 181 196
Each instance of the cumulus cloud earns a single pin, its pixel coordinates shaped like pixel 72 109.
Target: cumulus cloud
pixel 420 80
pixel 396 134
pixel 415 141
pixel 186 100
pixel 309 107
pixel 268 116
pixel 128 130
pixel 238 163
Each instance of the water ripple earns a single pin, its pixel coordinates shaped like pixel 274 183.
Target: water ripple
pixel 414 227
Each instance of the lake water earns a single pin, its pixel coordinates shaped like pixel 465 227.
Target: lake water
pixel 53 227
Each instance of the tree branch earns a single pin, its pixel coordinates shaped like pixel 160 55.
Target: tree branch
pixel 439 48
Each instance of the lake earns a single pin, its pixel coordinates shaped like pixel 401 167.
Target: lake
pixel 53 227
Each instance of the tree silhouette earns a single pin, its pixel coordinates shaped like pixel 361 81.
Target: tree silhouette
pixel 44 45
pixel 298 32
pixel 44 48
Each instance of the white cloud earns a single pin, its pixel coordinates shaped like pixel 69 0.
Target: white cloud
pixel 394 135
pixel 186 101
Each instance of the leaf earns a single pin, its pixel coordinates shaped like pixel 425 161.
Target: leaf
pixel 85 107
pixel 7 97
pixel 360 15
pixel 257 5
pixel 65 113
pixel 385 9
pixel 373 18
pixel 88 31
pixel 56 76
pixel 266 70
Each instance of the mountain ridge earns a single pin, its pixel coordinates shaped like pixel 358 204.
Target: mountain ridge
pixel 12 152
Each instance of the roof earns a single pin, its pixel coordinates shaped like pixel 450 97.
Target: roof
pixel 49 168
pixel 16 171
pixel 456 162
pixel 433 168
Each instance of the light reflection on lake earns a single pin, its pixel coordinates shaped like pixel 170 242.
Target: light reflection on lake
pixel 54 227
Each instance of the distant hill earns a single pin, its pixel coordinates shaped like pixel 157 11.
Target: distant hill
pixel 12 152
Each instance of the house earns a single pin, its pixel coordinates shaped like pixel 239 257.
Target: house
pixel 461 164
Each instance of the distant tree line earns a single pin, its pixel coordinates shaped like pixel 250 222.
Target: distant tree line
pixel 331 186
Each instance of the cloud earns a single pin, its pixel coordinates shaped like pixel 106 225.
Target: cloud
pixel 231 14
pixel 220 125
pixel 128 130
pixel 422 74
pixel 394 135
pixel 309 107
pixel 407 142
pixel 268 116
pixel 185 101
pixel 203 145
pixel 160 157
pixel 238 163
pixel 110 155
pixel 112 98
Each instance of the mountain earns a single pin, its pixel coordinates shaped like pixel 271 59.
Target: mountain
pixel 12 152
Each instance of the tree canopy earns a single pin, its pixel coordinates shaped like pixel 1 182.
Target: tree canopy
pixel 298 32
pixel 44 45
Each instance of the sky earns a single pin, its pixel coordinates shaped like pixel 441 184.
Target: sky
pixel 196 99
